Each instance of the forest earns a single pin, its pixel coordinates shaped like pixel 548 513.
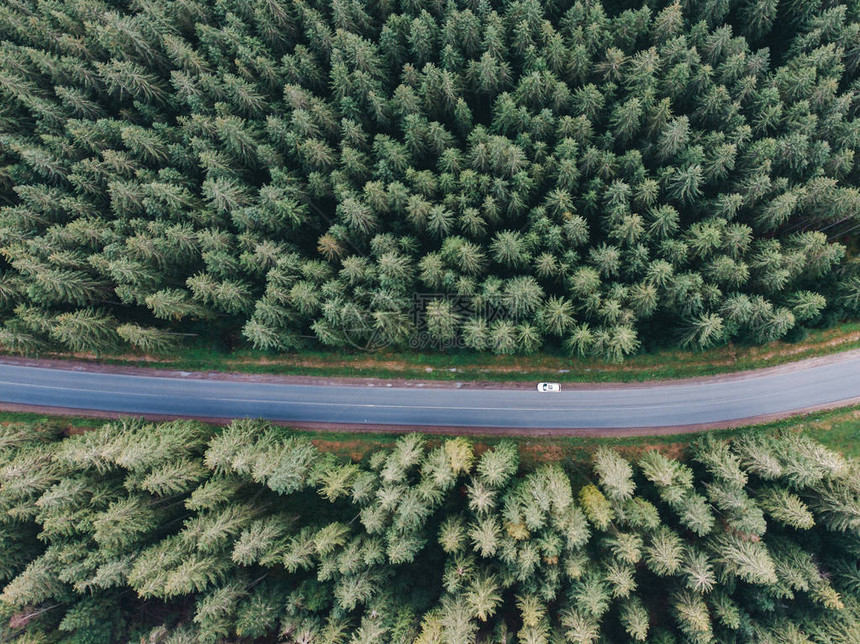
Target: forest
pixel 502 176
pixel 182 532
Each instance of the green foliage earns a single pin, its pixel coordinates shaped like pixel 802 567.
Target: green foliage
pixel 248 532
pixel 278 173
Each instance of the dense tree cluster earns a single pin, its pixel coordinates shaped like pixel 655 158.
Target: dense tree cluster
pixel 179 532
pixel 580 173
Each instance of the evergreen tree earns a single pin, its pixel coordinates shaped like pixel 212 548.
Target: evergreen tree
pixel 160 162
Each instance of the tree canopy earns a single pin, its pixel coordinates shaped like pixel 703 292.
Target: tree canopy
pixel 182 532
pixel 581 174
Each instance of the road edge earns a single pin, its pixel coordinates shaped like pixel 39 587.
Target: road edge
pixel 92 367
pixel 453 430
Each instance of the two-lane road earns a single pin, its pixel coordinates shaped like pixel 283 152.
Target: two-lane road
pixel 724 400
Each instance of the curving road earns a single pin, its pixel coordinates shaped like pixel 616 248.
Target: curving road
pixel 699 403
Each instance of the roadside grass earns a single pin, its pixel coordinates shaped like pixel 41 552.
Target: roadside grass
pixel 837 429
pixel 463 365
pixel 70 424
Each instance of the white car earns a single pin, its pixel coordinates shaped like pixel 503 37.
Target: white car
pixel 549 387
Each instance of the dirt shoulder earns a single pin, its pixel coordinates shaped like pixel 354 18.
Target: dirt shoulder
pixel 429 369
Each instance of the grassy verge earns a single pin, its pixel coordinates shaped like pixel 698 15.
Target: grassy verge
pixel 459 366
pixel 71 424
pixel 837 429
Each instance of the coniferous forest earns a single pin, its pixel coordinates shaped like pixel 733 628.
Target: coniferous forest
pixel 179 532
pixel 499 176
pixel 505 176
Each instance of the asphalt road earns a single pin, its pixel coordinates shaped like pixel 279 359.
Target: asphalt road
pixel 721 400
